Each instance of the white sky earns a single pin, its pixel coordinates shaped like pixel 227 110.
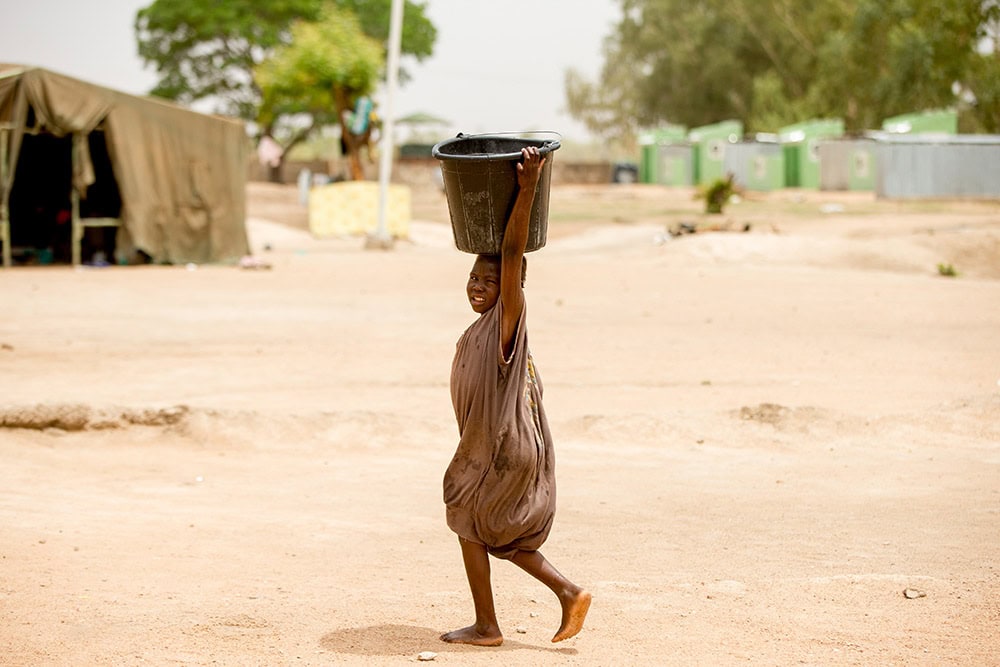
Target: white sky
pixel 497 66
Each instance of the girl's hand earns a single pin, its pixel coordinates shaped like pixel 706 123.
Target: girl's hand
pixel 530 167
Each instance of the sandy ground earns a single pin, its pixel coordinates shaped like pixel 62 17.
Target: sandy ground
pixel 763 440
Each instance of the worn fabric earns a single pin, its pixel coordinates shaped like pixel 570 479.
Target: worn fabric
pixel 181 174
pixel 499 489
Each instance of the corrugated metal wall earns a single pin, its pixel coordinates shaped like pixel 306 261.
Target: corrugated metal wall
pixel 675 164
pixel 756 166
pixel 834 165
pixel 959 166
pixel 847 164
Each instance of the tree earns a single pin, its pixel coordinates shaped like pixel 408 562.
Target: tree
pixel 212 50
pixel 776 62
pixel 668 60
pixel 984 76
pixel 907 55
pixel 320 74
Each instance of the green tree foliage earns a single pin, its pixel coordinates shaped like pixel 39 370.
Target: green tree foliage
pixel 210 50
pixel 777 62
pixel 910 54
pixel 326 66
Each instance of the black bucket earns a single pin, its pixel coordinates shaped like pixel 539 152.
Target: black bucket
pixel 480 183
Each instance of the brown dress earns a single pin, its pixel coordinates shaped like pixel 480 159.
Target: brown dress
pixel 499 489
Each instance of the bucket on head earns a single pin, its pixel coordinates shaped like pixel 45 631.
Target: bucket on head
pixel 480 183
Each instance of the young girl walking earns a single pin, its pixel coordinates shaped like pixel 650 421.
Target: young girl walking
pixel 499 489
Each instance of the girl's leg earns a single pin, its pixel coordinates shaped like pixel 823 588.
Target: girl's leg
pixel 574 600
pixel 486 631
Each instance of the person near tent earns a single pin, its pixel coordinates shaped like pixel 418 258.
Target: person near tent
pixel 499 489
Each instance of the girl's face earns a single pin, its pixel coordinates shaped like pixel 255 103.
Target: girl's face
pixel 483 288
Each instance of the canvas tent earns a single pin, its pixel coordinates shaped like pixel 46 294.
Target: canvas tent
pixel 80 162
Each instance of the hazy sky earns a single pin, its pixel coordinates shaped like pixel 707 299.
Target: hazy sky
pixel 497 66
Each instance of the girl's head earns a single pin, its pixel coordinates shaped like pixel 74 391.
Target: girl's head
pixel 483 288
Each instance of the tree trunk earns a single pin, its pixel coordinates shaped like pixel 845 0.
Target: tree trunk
pixel 274 172
pixel 353 143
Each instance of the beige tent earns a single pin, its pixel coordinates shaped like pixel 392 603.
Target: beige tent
pixel 94 172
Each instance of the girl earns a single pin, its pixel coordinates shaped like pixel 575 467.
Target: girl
pixel 499 489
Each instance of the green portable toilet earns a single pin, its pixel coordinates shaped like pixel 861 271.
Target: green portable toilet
pixel 709 144
pixel 936 121
pixel 675 164
pixel 800 146
pixel 861 171
pixel 652 142
pixel 767 169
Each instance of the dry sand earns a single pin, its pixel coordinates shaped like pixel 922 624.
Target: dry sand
pixel 763 439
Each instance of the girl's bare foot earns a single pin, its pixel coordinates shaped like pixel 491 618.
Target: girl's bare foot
pixel 471 635
pixel 574 610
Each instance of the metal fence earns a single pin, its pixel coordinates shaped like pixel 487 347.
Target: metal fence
pixel 914 167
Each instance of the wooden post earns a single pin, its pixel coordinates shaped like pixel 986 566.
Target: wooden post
pixel 76 232
pixel 79 224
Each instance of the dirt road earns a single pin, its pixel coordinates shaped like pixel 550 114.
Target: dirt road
pixel 763 440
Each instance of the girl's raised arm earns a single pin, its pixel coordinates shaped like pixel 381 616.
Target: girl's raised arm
pixel 515 239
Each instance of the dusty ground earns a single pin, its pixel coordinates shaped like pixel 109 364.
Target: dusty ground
pixel 763 439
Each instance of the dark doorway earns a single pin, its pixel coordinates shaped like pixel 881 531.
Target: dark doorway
pixel 40 212
pixel 41 206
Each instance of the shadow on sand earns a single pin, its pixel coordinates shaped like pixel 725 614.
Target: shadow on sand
pixel 410 640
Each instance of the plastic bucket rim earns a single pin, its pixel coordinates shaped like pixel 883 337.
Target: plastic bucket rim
pixel 547 147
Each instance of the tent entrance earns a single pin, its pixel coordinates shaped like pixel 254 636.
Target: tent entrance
pixel 42 203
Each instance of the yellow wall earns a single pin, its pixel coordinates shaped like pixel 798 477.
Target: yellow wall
pixel 341 209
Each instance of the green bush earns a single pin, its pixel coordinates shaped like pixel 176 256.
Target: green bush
pixel 718 193
pixel 947 270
